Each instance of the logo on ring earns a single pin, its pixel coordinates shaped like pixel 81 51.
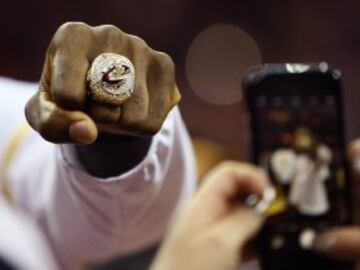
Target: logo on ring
pixel 111 78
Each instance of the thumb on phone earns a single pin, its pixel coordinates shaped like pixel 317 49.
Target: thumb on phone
pixel 340 243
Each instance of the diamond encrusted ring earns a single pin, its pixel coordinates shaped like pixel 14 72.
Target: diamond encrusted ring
pixel 111 78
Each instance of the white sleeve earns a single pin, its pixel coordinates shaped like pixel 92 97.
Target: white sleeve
pixel 13 97
pixel 88 219
pixel 22 244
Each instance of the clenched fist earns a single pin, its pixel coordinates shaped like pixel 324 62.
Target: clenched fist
pixel 62 110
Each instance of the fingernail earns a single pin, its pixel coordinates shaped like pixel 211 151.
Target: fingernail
pixel 307 238
pixel 262 206
pixel 269 194
pixel 324 243
pixel 268 197
pixel 80 132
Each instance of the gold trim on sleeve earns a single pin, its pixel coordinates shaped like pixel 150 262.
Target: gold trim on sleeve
pixel 9 154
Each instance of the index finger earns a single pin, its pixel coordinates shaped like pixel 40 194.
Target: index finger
pixel 70 62
pixel 228 181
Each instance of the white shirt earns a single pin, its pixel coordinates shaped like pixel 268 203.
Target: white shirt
pixel 22 245
pixel 87 219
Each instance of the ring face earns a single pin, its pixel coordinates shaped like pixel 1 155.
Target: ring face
pixel 111 78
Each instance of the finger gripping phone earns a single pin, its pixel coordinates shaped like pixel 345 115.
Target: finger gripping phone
pixel 297 135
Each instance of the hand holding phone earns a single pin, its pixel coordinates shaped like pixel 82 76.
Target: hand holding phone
pixel 297 127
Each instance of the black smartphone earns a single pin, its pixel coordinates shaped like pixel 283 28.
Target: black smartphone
pixel 297 134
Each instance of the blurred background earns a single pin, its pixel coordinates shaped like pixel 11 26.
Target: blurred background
pixel 211 42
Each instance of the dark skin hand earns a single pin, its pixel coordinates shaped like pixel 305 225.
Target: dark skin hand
pixel 63 112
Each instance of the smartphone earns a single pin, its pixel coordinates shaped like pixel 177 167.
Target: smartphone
pixel 297 135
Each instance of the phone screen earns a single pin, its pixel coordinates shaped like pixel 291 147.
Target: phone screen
pixel 298 137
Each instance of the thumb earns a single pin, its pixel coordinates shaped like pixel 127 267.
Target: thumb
pixel 341 243
pixel 58 125
pixel 353 152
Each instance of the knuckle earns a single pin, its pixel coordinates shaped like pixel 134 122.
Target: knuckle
pixel 229 163
pixel 140 48
pixel 138 42
pixel 109 35
pixel 73 27
pixel 165 61
pixel 227 166
pixel 109 31
pixel 69 30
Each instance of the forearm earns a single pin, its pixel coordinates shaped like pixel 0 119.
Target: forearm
pixel 111 156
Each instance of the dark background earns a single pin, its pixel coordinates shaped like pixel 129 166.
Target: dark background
pixel 285 31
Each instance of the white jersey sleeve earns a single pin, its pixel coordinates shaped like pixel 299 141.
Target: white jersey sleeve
pixel 22 245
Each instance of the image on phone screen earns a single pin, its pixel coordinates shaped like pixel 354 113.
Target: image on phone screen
pixel 300 148
pixel 298 138
pixel 299 141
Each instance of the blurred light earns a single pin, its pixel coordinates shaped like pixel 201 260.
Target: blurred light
pixel 216 61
